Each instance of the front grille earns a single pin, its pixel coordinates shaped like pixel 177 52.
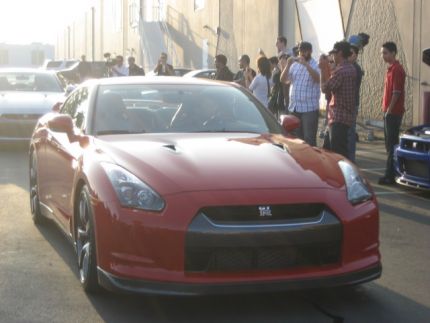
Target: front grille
pixel 217 242
pixel 415 168
pixel 20 116
pixel 17 129
pixel 415 145
pixel 236 214
pixel 266 258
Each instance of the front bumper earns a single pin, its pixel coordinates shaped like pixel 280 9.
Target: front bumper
pixel 116 284
pixel 412 164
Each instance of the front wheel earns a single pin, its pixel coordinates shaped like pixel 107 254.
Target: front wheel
pixel 36 214
pixel 85 243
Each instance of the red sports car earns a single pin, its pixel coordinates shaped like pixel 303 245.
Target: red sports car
pixel 187 186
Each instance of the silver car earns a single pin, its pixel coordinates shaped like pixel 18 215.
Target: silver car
pixel 26 95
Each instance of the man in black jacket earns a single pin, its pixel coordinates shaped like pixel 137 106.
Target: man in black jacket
pixel 133 68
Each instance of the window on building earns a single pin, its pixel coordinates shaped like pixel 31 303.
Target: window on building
pixel 4 57
pixel 116 12
pixel 37 57
pixel 199 4
pixel 133 8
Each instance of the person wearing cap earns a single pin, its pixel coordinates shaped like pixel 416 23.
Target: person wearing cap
pixel 356 45
pixel 341 83
pixel 303 75
pixel 393 106
pixel 244 62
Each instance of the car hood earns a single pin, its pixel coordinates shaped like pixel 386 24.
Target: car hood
pixel 28 102
pixel 195 162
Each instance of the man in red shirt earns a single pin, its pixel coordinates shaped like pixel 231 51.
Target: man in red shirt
pixel 393 106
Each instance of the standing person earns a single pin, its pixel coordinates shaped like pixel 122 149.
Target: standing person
pixel 84 69
pixel 119 69
pixel 341 85
pixel 133 68
pixel 276 101
pixel 261 84
pixel 352 136
pixel 163 68
pixel 393 106
pixel 223 73
pixel 303 75
pixel 281 46
pixel 244 62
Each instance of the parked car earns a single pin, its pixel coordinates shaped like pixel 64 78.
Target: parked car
pixel 412 158
pixel 97 69
pixel 189 186
pixel 59 64
pixel 26 95
pixel 205 73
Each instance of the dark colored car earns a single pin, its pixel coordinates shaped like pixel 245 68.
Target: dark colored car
pixel 26 95
pixel 189 186
pixel 412 158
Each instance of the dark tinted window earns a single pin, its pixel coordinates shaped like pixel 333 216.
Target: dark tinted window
pixel 180 108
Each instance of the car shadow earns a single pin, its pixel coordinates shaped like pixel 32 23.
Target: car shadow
pixel 367 303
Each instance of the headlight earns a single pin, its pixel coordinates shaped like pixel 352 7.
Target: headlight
pixel 131 191
pixel 356 187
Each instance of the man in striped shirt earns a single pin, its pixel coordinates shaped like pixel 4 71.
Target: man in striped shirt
pixel 303 75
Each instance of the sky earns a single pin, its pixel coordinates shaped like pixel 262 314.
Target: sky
pixel 27 21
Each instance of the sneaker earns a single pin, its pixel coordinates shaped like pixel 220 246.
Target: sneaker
pixel 386 181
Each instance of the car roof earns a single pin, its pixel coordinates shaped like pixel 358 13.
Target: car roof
pixel 154 80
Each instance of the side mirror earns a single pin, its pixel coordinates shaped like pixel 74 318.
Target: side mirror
pixel 290 122
pixel 61 123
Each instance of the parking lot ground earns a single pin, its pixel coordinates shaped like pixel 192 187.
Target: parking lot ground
pixel 39 280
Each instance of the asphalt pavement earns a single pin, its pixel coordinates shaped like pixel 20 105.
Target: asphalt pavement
pixel 39 279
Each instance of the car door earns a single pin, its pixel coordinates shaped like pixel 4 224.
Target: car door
pixel 64 158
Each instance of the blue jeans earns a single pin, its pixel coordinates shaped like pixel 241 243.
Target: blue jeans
pixel 308 126
pixel 352 140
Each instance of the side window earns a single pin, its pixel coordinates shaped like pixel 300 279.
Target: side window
pixel 69 107
pixel 82 108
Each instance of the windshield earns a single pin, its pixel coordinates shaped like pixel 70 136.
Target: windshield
pixel 33 82
pixel 179 108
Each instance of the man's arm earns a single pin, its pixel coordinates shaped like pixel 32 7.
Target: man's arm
pixel 286 71
pixel 394 99
pixel 325 74
pixel 313 73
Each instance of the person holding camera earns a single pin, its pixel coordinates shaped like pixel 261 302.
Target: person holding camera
pixel 162 68
pixel 119 69
pixel 303 75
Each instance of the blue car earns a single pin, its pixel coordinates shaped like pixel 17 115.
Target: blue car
pixel 412 158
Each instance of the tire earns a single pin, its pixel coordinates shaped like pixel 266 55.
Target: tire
pixel 86 244
pixel 36 214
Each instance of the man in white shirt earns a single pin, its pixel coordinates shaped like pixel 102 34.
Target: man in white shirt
pixel 119 69
pixel 303 74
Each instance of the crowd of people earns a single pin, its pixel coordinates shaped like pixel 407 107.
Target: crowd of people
pixel 293 81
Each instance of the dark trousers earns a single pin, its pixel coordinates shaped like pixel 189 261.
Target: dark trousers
pixel 308 126
pixel 392 124
pixel 337 139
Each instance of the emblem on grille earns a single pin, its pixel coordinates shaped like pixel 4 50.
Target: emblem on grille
pixel 265 211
